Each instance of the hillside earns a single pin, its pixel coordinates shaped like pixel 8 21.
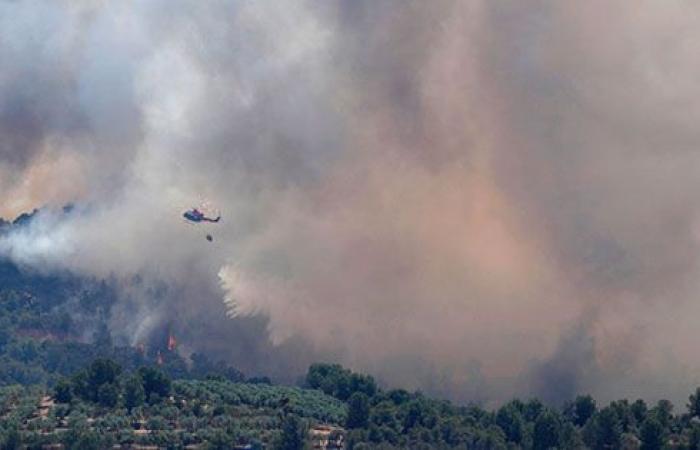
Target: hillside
pixel 53 324
pixel 63 382
pixel 211 414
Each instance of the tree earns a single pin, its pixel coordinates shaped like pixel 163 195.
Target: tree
pixel 257 380
pixel 628 441
pixel 624 415
pixel 584 407
pixel 570 437
pixel 63 391
pixel 318 375
pixel 103 371
pixel 339 382
pixel 694 437
pixel 603 431
pixel 694 404
pixel 108 395
pixel 511 422
pixel 293 434
pixel 491 438
pixel 363 383
pixel 652 434
pixel 155 382
pixel 81 385
pixel 358 411
pixel 532 410
pixel 12 440
pixel 134 394
pixel 546 432
pixel 88 440
pixel 639 410
pixel 384 414
pixel 219 441
pixel 87 382
pixel 663 412
pixel 399 396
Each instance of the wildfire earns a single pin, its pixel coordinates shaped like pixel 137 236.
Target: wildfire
pixel 172 343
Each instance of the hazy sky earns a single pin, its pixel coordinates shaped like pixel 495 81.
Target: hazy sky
pixel 480 199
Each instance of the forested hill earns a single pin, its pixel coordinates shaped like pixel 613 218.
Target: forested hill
pixel 64 383
pixel 103 406
pixel 52 325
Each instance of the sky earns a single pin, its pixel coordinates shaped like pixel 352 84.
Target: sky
pixel 478 199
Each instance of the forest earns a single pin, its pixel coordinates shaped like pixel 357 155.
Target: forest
pixel 66 384
pixel 102 406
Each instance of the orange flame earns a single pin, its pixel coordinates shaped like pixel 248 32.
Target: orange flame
pixel 172 343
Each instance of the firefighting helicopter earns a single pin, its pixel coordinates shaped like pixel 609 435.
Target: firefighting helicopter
pixel 195 216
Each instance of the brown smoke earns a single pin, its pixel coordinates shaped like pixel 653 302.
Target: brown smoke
pixel 481 199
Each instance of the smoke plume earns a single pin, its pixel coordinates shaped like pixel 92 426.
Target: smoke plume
pixel 479 199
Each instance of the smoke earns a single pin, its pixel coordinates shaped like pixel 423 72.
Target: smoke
pixel 480 199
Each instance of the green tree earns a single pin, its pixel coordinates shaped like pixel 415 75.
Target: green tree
pixel 293 435
pixel 603 431
pixel 220 440
pixel 155 383
pixel 694 437
pixel 694 404
pixel 663 412
pixel 88 383
pixel 363 383
pixel 510 419
pixel 532 410
pixel 652 434
pixel 570 437
pixel 399 396
pixel 624 415
pixel 12 439
pixel 63 391
pixel 358 411
pixel 103 371
pixel 491 438
pixel 546 432
pixel 332 379
pixel 384 414
pixel 418 412
pixel 88 440
pixel 134 394
pixel 108 395
pixel 583 408
pixel 639 410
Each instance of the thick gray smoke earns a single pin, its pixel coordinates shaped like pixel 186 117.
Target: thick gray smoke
pixel 480 199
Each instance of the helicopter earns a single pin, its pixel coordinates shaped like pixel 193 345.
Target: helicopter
pixel 195 216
